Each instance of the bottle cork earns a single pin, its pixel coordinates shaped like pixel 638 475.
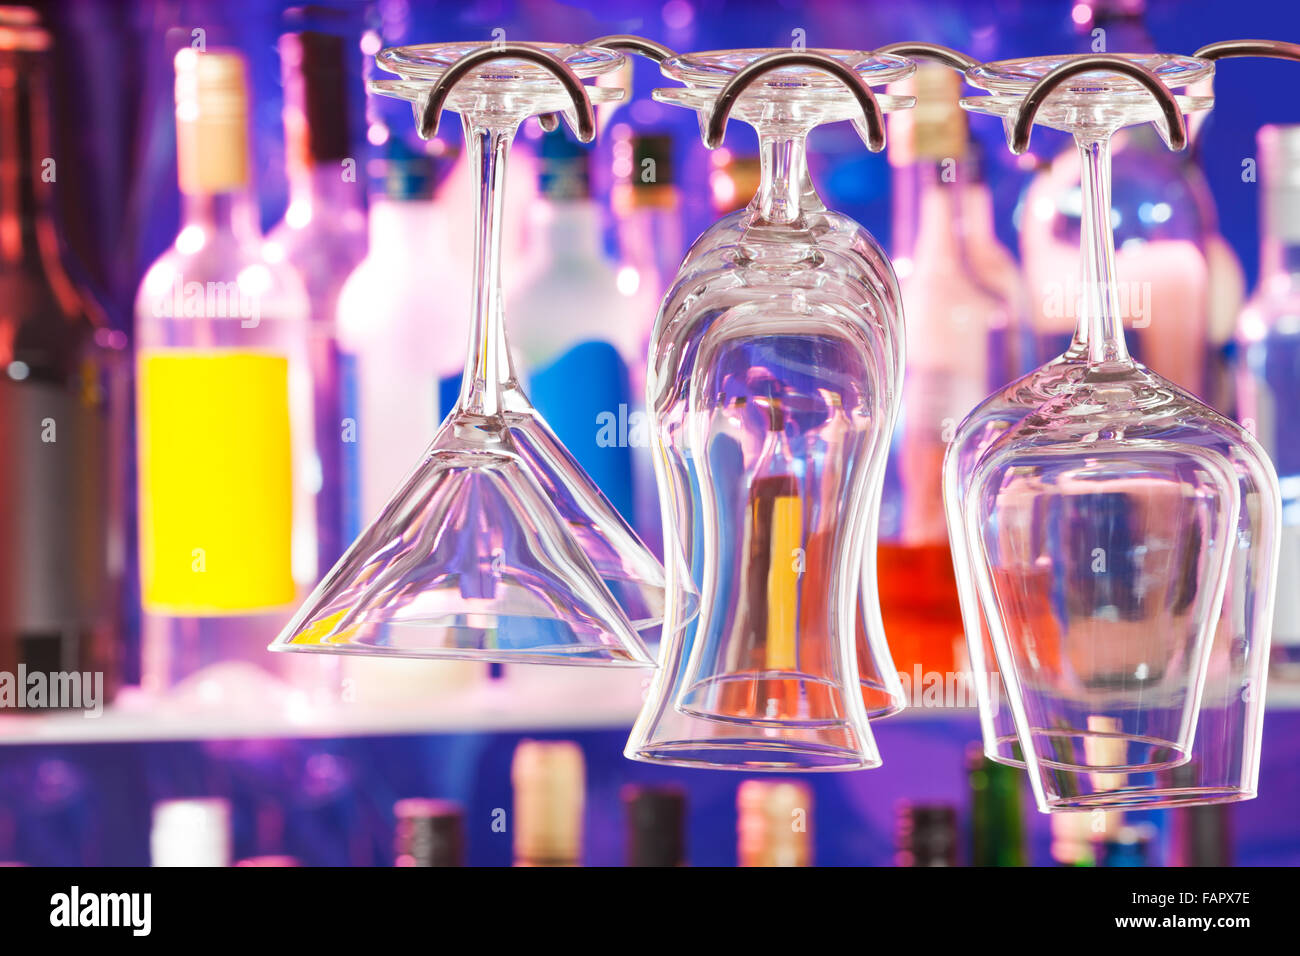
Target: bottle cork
pixel 211 121
pixel 549 779
pixel 936 128
pixel 774 825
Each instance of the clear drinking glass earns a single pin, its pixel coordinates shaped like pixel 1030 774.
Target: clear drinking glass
pixel 773 379
pixel 882 690
pixel 1121 536
pixel 1268 343
pixel 497 546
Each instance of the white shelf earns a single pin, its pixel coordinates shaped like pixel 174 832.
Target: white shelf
pixel 562 701
pixel 530 698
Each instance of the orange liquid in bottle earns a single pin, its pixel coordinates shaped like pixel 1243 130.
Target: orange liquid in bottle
pixel 918 601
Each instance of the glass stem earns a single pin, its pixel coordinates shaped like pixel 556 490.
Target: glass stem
pixel 488 369
pixel 1101 312
pixel 784 176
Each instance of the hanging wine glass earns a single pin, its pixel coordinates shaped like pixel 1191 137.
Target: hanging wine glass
pixel 882 690
pixel 497 546
pixel 1121 537
pixel 1265 340
pixel 771 373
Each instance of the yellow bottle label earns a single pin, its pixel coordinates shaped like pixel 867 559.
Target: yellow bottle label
pixel 216 481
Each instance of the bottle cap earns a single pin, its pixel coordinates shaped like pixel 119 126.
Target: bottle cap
pixel 1131 846
pixel 656 825
pixel 927 834
pixel 1100 11
pixel 1072 839
pixel 1279 172
pixel 652 160
pixel 643 166
pixel 211 121
pixel 563 168
pixel 315 97
pixel 429 832
pixel 407 175
pixel 774 820
pixel 936 128
pixel 549 779
pixel 192 832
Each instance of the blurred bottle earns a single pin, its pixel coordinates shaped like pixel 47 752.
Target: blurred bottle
pixel 997 830
pixel 62 404
pixel 569 323
pixel 1072 839
pixel 1130 846
pixel 774 822
pixel 61 820
pixel 1200 836
pixel 549 779
pixel 403 318
pixel 961 296
pixel 648 222
pixel 399 340
pixel 1268 381
pixel 429 833
pixel 926 835
pixel 733 181
pixel 227 528
pixel 330 822
pixel 656 825
pixel 323 236
pixel 1164 221
pixel 192 832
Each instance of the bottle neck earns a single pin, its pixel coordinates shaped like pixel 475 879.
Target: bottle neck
pixel 403 229
pixel 231 213
pixel 930 220
pixel 323 186
pixel 1279 256
pixel 212 162
pixel 27 166
pixel 571 229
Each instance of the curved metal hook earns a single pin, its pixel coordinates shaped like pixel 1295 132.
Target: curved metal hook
pixel 931 51
pixel 727 96
pixel 431 107
pixel 619 43
pixel 1230 49
pixel 628 43
pixel 1038 93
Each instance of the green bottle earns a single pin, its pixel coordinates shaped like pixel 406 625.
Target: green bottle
pixel 996 818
